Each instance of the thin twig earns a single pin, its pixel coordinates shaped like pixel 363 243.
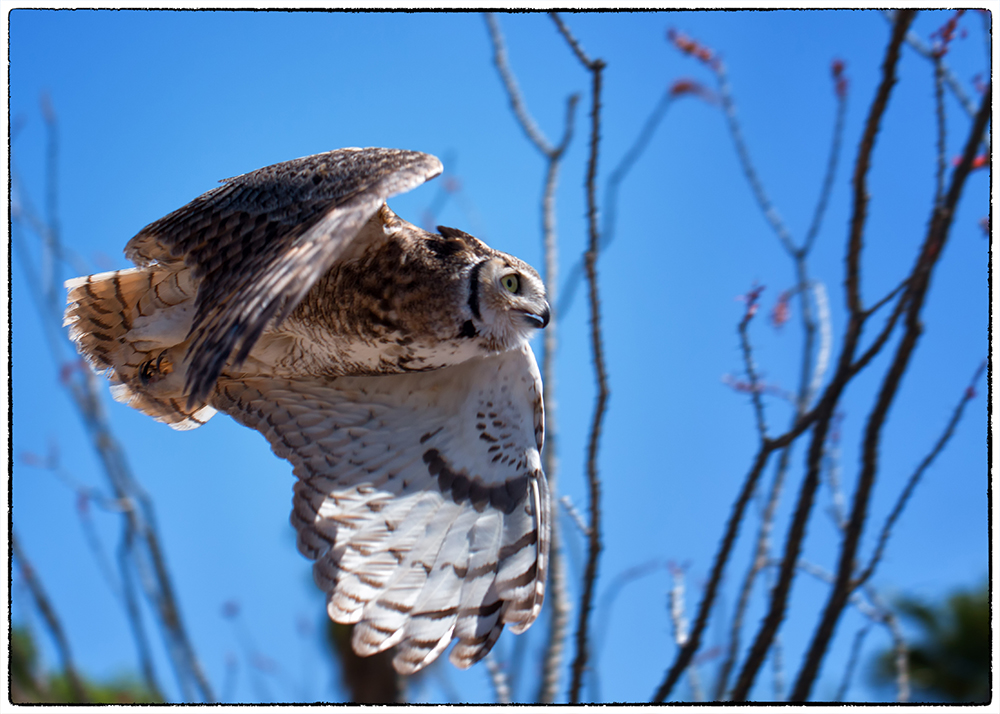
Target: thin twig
pixel 686 653
pixel 51 620
pixel 574 44
pixel 595 67
pixel 135 616
pixel 914 479
pixel 615 179
pixel 899 646
pixel 752 299
pixel 605 607
pixel 942 161
pixel 575 515
pixel 524 119
pixel 852 661
pixel 675 601
pixel 756 185
pixel 831 172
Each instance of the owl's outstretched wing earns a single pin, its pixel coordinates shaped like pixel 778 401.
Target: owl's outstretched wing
pixel 420 496
pixel 260 241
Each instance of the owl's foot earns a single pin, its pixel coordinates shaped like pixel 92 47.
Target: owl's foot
pixel 153 370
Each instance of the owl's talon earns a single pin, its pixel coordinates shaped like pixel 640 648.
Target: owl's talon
pixel 153 370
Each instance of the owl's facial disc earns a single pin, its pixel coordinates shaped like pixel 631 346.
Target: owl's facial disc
pixel 512 300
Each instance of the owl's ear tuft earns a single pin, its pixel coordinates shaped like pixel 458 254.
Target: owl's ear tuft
pixel 454 233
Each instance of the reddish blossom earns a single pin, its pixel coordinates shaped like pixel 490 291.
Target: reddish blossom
pixel 981 161
pixel 945 34
pixel 751 299
pixel 691 46
pixel 452 184
pixel 689 86
pixel 839 79
pixel 67 369
pixel 970 392
pixel 29 458
pixel 984 224
pixel 781 311
pixel 979 84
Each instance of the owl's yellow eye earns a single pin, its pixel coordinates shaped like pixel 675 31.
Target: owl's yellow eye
pixel 511 282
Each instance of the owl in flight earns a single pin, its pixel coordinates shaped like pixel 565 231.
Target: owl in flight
pixel 389 365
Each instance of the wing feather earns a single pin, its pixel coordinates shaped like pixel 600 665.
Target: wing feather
pixel 260 241
pixel 420 533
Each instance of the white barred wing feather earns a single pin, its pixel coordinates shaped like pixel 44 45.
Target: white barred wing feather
pixel 420 496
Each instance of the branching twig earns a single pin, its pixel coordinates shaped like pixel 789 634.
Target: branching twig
pixel 595 67
pixel 929 254
pixel 914 479
pixel 51 620
pixel 796 532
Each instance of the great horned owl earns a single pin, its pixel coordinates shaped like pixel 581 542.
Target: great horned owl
pixel 388 364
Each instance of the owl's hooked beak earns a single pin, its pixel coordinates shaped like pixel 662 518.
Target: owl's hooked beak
pixel 537 320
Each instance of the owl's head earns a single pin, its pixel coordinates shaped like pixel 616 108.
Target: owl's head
pixel 507 299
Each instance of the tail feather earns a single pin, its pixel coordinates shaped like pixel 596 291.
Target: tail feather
pixel 131 325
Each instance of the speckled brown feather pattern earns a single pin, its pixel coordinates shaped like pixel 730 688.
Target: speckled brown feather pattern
pixel 261 240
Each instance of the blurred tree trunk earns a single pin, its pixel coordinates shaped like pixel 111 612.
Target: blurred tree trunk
pixel 369 680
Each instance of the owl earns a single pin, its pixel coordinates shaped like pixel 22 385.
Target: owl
pixel 388 364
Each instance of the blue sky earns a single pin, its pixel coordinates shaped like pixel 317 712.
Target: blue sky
pixel 154 107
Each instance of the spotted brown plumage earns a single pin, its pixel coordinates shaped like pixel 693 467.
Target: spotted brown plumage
pixel 390 365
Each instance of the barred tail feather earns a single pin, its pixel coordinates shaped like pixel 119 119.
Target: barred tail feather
pixel 130 325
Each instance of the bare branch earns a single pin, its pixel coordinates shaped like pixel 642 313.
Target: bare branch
pixel 756 185
pixel 615 179
pixel 914 479
pixel 595 67
pixel 558 604
pixel 831 165
pixel 686 653
pixel 499 680
pixel 937 235
pixel 852 661
pixel 924 50
pixel 524 119
pixel 751 299
pixel 942 162
pixel 51 620
pixel 140 519
pixel 902 658
pixel 613 590
pixel 860 180
pixel 796 531
pixel 134 615
pixel 567 503
pixel 675 600
pixel 573 43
